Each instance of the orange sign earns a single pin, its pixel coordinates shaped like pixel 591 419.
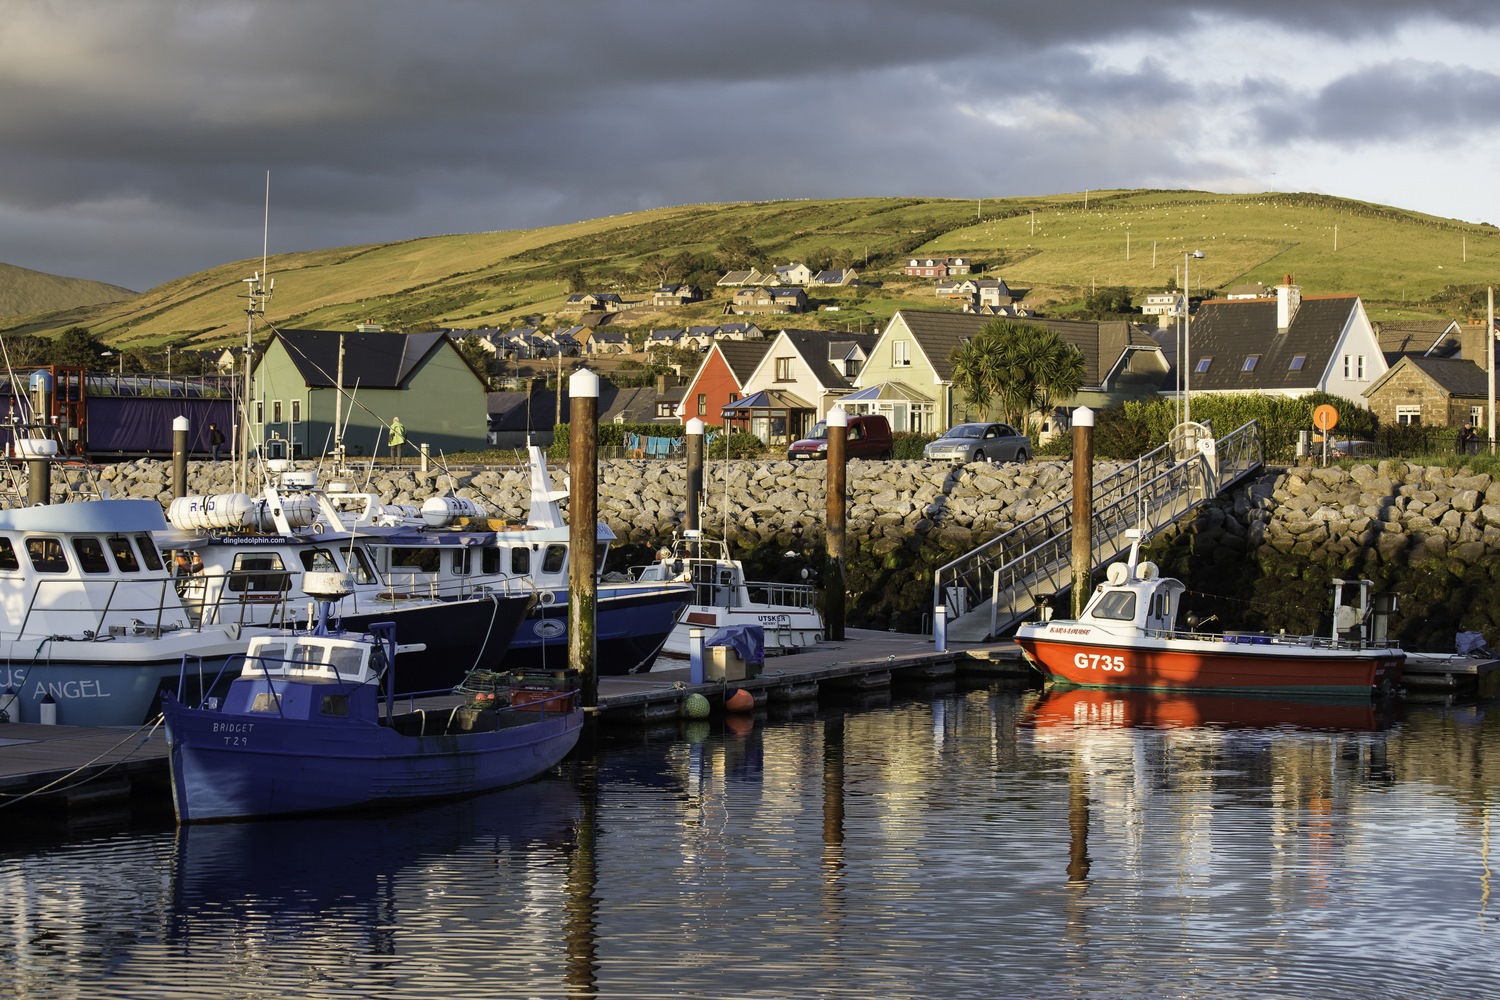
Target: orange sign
pixel 1325 418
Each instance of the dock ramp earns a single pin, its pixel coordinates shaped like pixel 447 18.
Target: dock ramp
pixel 987 592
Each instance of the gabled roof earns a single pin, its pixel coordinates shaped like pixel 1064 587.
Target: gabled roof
pixel 816 348
pixel 742 356
pixel 519 411
pixel 939 334
pixel 371 360
pixel 1435 338
pixel 1229 332
pixel 1455 376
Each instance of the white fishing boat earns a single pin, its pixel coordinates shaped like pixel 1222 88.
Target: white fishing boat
pixel 722 597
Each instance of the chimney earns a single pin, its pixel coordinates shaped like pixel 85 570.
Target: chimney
pixel 1288 298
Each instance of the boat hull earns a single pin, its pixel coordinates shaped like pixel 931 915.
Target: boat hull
pixel 443 641
pixel 1090 657
pixel 631 623
pixel 786 629
pixel 230 766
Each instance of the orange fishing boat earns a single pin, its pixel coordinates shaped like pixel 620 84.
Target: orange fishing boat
pixel 1127 638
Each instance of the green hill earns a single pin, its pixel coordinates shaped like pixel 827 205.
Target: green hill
pixel 24 292
pixel 1057 248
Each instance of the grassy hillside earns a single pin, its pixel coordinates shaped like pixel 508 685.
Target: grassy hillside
pixel 1405 265
pixel 24 292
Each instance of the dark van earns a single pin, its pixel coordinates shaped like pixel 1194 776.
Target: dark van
pixel 868 437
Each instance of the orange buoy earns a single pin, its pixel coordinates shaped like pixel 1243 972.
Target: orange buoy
pixel 740 701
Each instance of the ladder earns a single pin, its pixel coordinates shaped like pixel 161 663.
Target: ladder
pixel 990 590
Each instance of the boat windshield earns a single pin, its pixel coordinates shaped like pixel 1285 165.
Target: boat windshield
pixel 1116 604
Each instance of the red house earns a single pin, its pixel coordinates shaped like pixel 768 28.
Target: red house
pixel 720 379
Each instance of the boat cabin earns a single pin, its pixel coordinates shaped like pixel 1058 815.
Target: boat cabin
pixel 1135 594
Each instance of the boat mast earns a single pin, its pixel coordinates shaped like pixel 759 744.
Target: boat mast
pixel 258 290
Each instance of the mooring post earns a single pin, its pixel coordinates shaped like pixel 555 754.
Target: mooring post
pixel 180 426
pixel 583 528
pixel 1083 507
pixel 694 472
pixel 38 480
pixel 837 423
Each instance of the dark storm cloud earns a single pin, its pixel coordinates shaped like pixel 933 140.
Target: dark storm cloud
pixel 152 123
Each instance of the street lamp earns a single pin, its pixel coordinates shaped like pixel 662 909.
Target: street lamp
pixel 1187 342
pixel 111 354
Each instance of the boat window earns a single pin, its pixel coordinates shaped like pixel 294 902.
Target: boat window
pixel 346 660
pixel 47 555
pixel 360 567
pixel 520 560
pixel 335 704
pixel 259 572
pixel 150 554
pixel 269 657
pixel 489 561
pixel 265 701
pixel 1159 605
pixel 601 553
pixel 554 558
pixel 310 556
pixel 308 654
pixel 1117 604
pixel 90 555
pixel 8 558
pixel 425 559
pixel 460 562
pixel 124 553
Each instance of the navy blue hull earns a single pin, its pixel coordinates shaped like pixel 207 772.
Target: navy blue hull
pixel 631 624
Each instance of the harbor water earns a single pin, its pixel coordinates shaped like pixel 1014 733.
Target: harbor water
pixel 942 843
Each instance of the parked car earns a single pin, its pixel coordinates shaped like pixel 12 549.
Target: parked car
pixel 1355 449
pixel 868 437
pixel 981 443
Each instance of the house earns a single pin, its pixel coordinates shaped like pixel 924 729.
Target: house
pixel 768 300
pixel 910 371
pixel 801 375
pixel 993 292
pixel 1433 391
pixel 835 278
pixel 226 362
pixel 735 278
pixel 675 295
pixel 1164 305
pixel 739 331
pixel 1249 290
pixel 666 338
pixel 937 267
pixel 595 302
pixel 956 288
pixel 530 416
pixel 597 341
pixel 1288 346
pixel 721 378
pixel 1007 311
pixel 420 377
pixel 790 274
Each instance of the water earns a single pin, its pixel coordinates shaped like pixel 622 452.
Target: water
pixel 985 843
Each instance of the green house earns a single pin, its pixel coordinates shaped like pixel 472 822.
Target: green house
pixel 418 377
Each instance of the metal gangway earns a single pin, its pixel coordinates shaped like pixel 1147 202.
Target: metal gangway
pixel 988 591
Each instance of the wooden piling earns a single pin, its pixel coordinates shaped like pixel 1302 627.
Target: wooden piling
pixel 834 588
pixel 583 520
pixel 1083 507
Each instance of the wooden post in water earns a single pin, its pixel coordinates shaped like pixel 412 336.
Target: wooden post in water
pixel 583 528
pixel 837 423
pixel 1083 506
pixel 180 427
pixel 694 473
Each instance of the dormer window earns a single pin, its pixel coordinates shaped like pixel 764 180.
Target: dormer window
pixel 1250 363
pixel 1203 364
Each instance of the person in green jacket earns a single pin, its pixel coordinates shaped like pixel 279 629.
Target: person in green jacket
pixel 398 438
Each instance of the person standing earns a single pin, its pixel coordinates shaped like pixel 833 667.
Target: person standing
pixel 398 438
pixel 215 440
pixel 1468 439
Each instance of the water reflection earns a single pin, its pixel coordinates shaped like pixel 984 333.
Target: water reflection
pixel 977 843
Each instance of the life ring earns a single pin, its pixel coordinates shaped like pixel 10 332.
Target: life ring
pixel 638 453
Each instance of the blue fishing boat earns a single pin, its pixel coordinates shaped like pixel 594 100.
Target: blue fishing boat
pixel 312 725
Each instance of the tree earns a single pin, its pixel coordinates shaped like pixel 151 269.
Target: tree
pixel 77 346
pixel 576 279
pixel 739 253
pixel 1024 367
pixel 28 351
pixel 1110 301
pixel 475 353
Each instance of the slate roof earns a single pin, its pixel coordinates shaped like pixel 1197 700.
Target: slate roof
pixel 742 356
pixel 940 333
pixel 1455 376
pixel 816 348
pixel 1416 336
pixel 508 411
pixel 1229 332
pixel 371 360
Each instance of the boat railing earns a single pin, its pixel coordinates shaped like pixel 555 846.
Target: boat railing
pixel 103 609
pixel 1275 639
pixel 792 595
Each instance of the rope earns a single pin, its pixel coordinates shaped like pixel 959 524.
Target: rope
pixel 53 786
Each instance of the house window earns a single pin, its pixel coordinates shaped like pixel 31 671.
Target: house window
pixel 1298 360
pixel 1250 362
pixel 702 404
pixel 260 411
pixel 1203 364
pixel 1409 414
pixel 296 411
pixel 900 354
pixel 1476 414
pixel 275 411
pixel 783 369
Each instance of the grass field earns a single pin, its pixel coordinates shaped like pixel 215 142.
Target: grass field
pixel 1057 248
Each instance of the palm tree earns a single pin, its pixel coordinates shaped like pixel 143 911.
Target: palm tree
pixel 1026 365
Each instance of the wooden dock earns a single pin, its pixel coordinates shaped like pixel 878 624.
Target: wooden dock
pixel 76 767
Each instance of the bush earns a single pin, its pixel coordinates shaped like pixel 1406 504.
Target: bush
pixel 907 444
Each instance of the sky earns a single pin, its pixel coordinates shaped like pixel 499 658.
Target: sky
pixel 136 136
